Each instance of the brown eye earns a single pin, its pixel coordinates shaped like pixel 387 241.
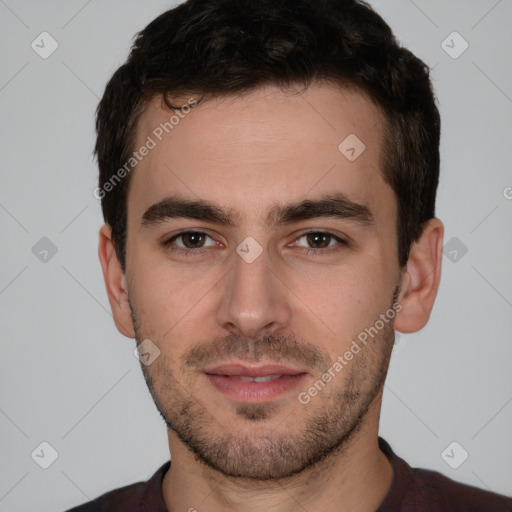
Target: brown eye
pixel 193 240
pixel 190 241
pixel 318 240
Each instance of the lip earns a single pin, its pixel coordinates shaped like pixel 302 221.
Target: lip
pixel 227 378
pixel 253 371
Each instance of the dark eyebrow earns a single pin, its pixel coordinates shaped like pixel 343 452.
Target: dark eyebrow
pixel 178 207
pixel 334 205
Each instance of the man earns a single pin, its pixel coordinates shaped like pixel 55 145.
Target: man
pixel 268 172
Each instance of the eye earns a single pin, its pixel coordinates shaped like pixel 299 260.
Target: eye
pixel 190 241
pixel 319 241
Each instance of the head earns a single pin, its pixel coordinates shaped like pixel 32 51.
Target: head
pixel 268 173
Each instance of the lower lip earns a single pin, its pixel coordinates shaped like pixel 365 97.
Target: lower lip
pixel 252 392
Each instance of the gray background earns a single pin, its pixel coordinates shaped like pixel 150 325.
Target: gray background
pixel 70 379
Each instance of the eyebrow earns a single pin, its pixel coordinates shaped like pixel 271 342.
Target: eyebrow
pixel 332 205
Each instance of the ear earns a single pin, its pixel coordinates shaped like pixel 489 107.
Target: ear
pixel 420 280
pixel 115 283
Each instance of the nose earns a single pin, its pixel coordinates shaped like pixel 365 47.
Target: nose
pixel 254 301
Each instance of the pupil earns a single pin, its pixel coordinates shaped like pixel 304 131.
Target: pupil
pixel 192 239
pixel 318 239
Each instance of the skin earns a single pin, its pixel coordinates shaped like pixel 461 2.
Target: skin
pixel 247 154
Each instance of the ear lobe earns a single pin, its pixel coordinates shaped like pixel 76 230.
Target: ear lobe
pixel 115 283
pixel 421 278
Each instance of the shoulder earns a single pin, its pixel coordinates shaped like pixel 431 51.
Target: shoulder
pixel 432 489
pixel 422 490
pixel 122 499
pixel 138 496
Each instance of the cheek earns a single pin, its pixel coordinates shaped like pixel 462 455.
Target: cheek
pixel 345 300
pixel 170 299
pixel 166 294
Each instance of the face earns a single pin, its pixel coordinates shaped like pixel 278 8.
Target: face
pixel 259 256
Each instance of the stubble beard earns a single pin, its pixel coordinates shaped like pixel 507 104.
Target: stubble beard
pixel 321 429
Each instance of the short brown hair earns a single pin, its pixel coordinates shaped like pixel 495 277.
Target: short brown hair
pixel 210 48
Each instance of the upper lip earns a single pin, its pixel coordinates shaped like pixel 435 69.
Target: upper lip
pixel 253 371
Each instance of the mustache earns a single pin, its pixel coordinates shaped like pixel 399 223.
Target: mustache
pixel 277 347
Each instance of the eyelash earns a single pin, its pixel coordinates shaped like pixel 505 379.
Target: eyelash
pixel 309 251
pixel 188 252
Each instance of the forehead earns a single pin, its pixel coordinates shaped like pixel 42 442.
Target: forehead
pixel 266 147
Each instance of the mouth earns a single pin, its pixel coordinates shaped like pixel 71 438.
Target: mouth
pixel 251 384
pixel 263 378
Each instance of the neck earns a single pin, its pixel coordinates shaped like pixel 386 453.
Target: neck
pixel 355 478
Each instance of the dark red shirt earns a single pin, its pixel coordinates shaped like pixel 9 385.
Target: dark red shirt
pixel 412 490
